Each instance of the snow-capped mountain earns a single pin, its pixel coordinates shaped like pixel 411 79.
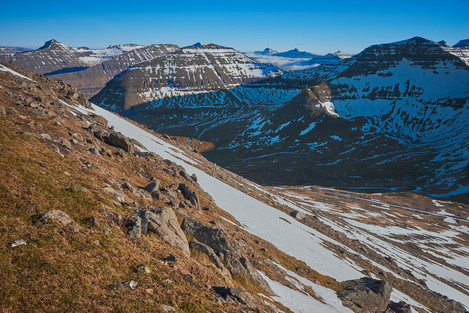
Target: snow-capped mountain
pixel 402 122
pixel 87 69
pixel 55 56
pixel 295 59
pixel 266 51
pixel 7 53
pixel 190 70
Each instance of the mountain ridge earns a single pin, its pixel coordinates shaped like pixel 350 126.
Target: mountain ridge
pixel 390 103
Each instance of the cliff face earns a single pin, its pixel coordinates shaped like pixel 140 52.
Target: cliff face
pixel 190 70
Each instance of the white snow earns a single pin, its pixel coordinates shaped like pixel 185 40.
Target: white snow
pixel 292 237
pixel 3 68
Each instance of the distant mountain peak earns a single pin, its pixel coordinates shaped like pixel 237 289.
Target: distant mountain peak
pixel 53 43
pixel 462 43
pixel 443 43
pixel 196 45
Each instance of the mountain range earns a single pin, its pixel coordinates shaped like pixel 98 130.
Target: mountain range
pixel 391 118
pixel 295 59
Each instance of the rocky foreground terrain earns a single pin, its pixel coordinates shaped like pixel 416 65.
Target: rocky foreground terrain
pixel 100 214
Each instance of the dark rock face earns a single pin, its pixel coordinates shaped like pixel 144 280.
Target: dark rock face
pixel 366 295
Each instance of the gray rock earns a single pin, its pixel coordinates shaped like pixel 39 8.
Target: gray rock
pixel 46 136
pixel 189 194
pixel 65 143
pixel 58 217
pixel 130 283
pixel 153 186
pixel 194 244
pixel 18 242
pixel 298 215
pixel 167 308
pixel 94 151
pixel 134 226
pixel 144 268
pixel 128 186
pixel 400 307
pixel 366 295
pixel 164 223
pixel 156 194
pixel 118 140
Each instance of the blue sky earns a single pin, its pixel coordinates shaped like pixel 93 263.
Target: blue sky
pixel 315 26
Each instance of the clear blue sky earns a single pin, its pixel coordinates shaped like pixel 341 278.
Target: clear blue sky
pixel 315 26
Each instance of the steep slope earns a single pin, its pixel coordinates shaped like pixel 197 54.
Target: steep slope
pixel 190 70
pixel 402 123
pixel 109 250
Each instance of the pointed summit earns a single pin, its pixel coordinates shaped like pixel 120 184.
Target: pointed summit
pixel 53 44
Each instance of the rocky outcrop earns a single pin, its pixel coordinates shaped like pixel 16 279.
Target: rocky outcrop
pixel 164 223
pixel 194 244
pixel 226 248
pixel 366 295
pixel 189 194
pixel 237 294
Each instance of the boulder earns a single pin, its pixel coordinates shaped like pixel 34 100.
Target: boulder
pixel 118 140
pixel 164 223
pixel 18 242
pixel 58 217
pixel 153 186
pixel 298 215
pixel 366 295
pixel 134 226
